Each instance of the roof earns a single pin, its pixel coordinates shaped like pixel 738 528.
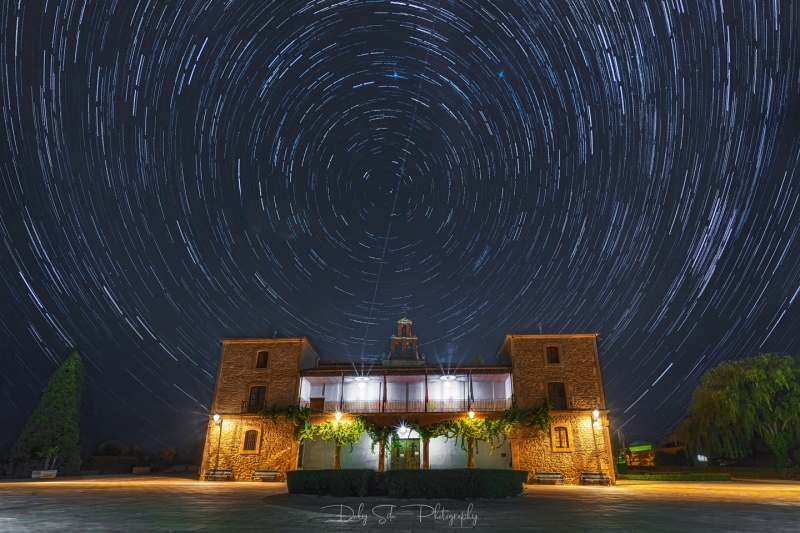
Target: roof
pixel 549 335
pixel 359 367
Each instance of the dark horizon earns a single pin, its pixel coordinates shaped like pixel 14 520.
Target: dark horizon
pixel 177 174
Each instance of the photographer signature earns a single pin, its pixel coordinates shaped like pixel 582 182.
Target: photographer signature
pixel 385 513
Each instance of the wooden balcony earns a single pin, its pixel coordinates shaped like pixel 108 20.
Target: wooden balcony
pixel 408 406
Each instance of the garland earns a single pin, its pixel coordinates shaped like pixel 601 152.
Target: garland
pixel 463 430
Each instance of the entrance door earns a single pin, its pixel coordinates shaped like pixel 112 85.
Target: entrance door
pixel 405 454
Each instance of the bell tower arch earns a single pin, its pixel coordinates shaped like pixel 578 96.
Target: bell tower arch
pixel 404 344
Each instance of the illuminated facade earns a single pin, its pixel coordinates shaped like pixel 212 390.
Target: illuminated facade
pixel 255 374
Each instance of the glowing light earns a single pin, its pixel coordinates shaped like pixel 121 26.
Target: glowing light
pixel 472 414
pixel 595 414
pixel 216 418
pixel 447 379
pixel 338 416
pixel 362 382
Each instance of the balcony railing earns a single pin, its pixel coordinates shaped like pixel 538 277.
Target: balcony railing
pixel 415 406
pixel 249 407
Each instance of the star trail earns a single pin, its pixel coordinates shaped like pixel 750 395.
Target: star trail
pixel 178 172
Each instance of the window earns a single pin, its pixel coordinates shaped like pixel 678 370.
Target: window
pixel 250 439
pixel 557 394
pixel 258 396
pixel 553 357
pixel 262 359
pixel 560 438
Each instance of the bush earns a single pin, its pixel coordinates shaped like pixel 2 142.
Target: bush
pixel 677 477
pixel 457 483
pixel 339 483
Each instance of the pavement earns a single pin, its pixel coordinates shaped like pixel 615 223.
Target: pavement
pixel 174 504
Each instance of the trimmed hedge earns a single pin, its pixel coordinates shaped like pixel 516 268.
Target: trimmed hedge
pixel 455 483
pixel 676 477
pixel 339 483
pixel 742 472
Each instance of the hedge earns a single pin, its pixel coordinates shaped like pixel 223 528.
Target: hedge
pixel 676 477
pixel 457 483
pixel 339 483
pixel 742 472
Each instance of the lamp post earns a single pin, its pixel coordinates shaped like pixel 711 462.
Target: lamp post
pixel 595 419
pixel 218 422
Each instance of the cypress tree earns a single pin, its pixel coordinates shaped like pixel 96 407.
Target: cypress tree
pixel 54 423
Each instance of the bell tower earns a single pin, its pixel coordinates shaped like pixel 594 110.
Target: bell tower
pixel 404 344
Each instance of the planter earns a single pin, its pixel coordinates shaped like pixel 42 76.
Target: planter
pixel 141 469
pixel 43 474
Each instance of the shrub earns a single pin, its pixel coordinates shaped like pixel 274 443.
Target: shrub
pixel 458 484
pixel 339 483
pixel 677 477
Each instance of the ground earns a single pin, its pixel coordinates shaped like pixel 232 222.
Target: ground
pixel 162 504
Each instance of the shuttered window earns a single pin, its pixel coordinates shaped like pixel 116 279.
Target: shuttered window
pixel 250 437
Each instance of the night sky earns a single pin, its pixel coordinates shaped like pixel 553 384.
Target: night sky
pixel 176 172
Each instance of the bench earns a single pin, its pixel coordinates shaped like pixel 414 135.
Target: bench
pixel 595 478
pixel 219 474
pixel 550 478
pixel 263 475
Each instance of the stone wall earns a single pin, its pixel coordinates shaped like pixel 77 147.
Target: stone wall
pixel 578 369
pixel 591 452
pixel 277 449
pixel 238 372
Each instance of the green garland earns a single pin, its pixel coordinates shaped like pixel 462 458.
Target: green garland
pixel 463 430
pixel 299 416
pixel 380 434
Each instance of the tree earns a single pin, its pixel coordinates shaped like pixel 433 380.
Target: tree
pixel 53 424
pixel 737 400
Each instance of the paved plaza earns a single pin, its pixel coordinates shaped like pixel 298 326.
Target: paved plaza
pixel 164 504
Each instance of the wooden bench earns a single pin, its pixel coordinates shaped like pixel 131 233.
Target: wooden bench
pixel 550 478
pixel 595 478
pixel 263 475
pixel 219 474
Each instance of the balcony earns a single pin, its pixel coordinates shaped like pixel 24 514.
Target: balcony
pixel 408 393
pixel 252 407
pixel 407 406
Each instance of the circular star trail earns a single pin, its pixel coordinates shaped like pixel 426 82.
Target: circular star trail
pixel 178 172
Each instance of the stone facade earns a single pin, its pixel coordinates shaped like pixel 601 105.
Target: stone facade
pixel 578 368
pixel 539 365
pixel 240 371
pixel 276 448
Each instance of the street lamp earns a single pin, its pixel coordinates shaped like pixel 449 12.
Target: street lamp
pixel 338 416
pixel 595 415
pixel 218 422
pixel 472 414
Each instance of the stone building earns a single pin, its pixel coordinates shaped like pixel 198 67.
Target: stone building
pixel 402 388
